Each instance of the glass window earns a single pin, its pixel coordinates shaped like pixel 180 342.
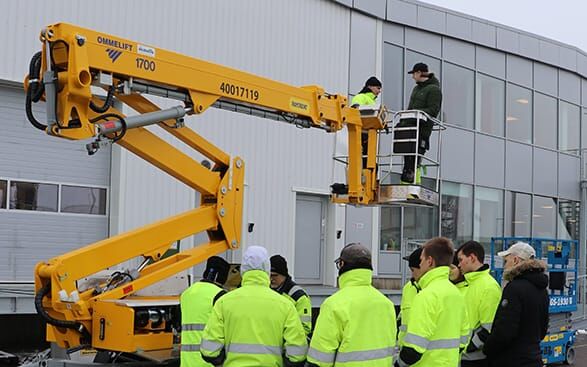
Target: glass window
pixel 393 73
pixel 459 91
pixel 390 238
pixel 544 216
pixel 488 215
pixel 490 105
pixel 545 121
pixel 518 120
pixel 517 214
pixel 3 187
pixel 457 207
pixel 568 219
pixel 33 196
pixel 413 58
pixel 568 137
pixel 420 223
pixel 584 128
pixel 83 200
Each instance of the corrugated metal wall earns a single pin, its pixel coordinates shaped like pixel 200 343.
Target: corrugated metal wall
pixel 298 42
pixel 27 237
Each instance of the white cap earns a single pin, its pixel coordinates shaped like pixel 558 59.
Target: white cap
pixel 519 249
pixel 256 258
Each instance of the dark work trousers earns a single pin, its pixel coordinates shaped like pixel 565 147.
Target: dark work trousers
pixel 478 363
pixel 407 147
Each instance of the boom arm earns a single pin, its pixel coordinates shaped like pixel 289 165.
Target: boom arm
pixel 73 60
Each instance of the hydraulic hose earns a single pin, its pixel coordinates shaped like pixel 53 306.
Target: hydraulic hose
pixel 107 102
pixel 120 135
pixel 35 90
pixel 53 321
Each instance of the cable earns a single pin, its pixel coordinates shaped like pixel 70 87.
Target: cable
pixel 118 136
pixel 34 91
pixel 118 276
pixel 107 102
pixel 53 321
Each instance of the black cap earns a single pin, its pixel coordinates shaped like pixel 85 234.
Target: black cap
pixel 279 265
pixel 373 82
pixel 455 260
pixel 216 270
pixel 356 256
pixel 419 67
pixel 414 258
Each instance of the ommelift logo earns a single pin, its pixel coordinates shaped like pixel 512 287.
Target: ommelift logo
pixel 115 43
pixel 113 54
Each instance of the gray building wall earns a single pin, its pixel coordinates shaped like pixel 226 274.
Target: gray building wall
pixel 27 237
pixel 333 44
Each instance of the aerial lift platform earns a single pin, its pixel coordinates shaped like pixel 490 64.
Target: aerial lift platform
pixel 110 316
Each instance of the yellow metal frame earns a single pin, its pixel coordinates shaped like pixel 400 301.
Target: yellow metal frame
pixel 77 55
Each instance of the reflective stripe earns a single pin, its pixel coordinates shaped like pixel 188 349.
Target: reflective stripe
pixel 474 356
pixel 403 328
pixel 477 342
pixel 487 326
pixel 444 344
pixel 253 349
pixel 416 340
pixel 306 318
pixel 321 356
pixel 432 344
pixel 193 327
pixel 190 347
pixel 464 339
pixel 364 355
pixel 294 350
pixel 211 346
pixel 294 289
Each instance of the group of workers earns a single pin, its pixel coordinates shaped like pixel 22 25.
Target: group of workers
pixel 426 97
pixel 450 315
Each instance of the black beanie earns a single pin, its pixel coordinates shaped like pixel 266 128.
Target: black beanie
pixel 414 258
pixel 279 265
pixel 216 270
pixel 373 82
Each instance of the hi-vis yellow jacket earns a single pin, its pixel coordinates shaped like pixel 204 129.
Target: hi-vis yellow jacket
pixel 440 329
pixel 254 326
pixel 364 99
pixel 196 306
pixel 356 325
pixel 482 299
pixel 409 292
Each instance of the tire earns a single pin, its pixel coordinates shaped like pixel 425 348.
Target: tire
pixel 570 355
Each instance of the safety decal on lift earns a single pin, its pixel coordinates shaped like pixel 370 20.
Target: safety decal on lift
pixel 299 105
pixel 145 50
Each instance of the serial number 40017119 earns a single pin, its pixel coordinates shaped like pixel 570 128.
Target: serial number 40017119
pixel 238 91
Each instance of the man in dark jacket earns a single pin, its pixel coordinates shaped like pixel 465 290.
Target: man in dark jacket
pixel 283 284
pixel 426 97
pixel 521 321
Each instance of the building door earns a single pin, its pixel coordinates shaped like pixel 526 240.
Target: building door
pixel 309 238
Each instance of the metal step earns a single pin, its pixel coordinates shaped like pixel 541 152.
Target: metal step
pixel 407 194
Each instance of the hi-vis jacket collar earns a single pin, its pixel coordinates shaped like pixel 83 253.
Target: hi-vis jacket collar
pixel 255 277
pixel 440 272
pixel 356 277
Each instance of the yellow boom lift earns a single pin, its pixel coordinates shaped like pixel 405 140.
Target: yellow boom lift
pixel 111 316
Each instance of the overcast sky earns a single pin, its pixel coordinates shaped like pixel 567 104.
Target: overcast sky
pixel 562 20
